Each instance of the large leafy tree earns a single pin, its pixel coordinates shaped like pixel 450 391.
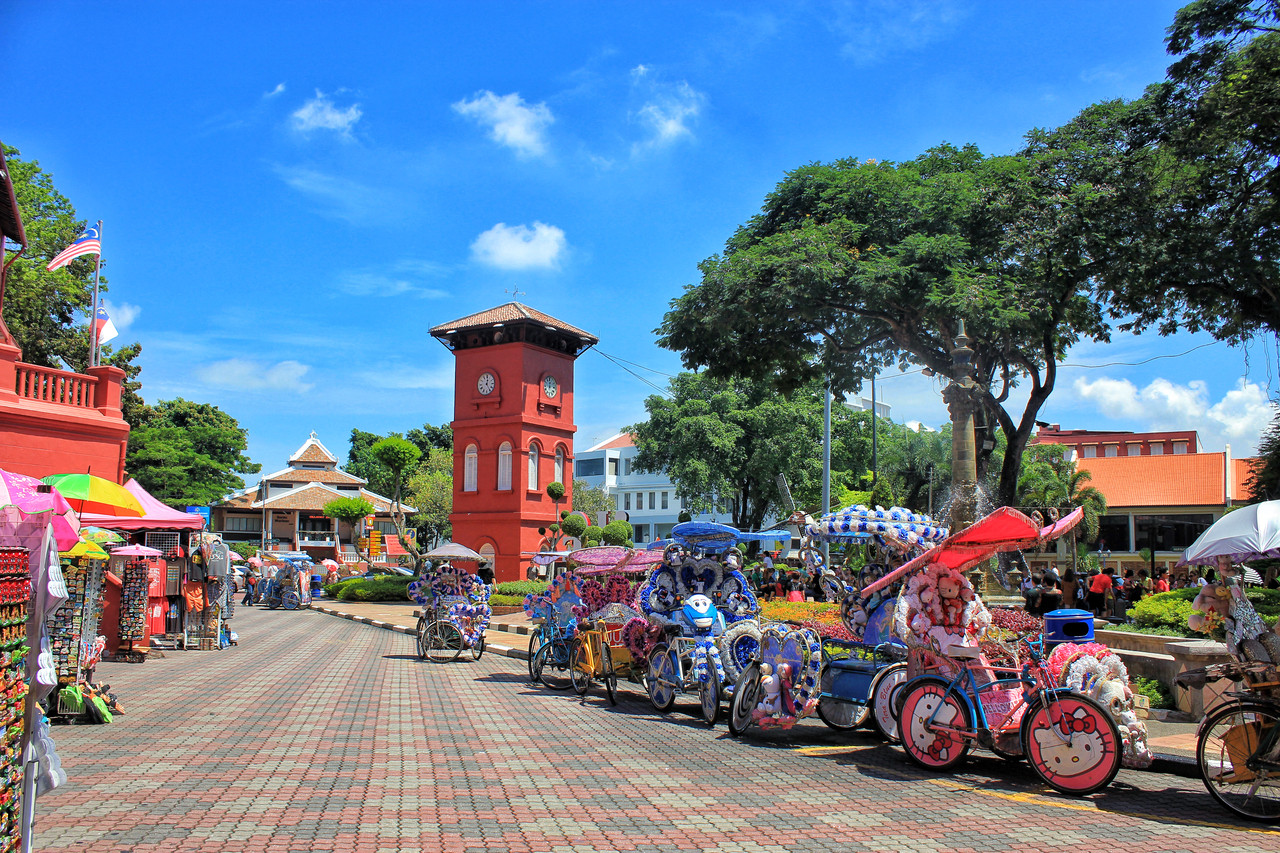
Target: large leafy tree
pixel 852 266
pixel 430 490
pixel 188 453
pixel 401 458
pixel 590 501
pixel 363 462
pixel 1053 485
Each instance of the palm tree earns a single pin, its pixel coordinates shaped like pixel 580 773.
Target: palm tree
pixel 1052 484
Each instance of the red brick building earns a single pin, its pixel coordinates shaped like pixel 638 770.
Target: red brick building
pixel 512 426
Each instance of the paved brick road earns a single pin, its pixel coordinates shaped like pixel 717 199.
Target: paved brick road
pixel 319 733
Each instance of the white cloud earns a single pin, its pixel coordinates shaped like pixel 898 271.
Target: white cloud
pixel 398 376
pixel 243 374
pixel 510 120
pixel 872 29
pixel 640 70
pixel 1238 419
pixel 399 279
pixel 278 90
pixel 668 115
pixel 342 197
pixel 518 247
pixel 122 314
pixel 319 113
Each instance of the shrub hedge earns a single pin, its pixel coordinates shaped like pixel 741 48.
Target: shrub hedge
pixel 1167 612
pixel 383 588
pixel 520 588
pixel 497 600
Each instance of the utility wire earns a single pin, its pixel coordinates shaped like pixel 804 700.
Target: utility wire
pixel 619 363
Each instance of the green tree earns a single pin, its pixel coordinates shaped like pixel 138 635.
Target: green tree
pixel 188 453
pixel 618 533
pixel 379 479
pixel 1055 485
pixel 430 490
pixel 853 266
pixel 350 510
pixel 400 457
pixel 590 501
pixel 574 525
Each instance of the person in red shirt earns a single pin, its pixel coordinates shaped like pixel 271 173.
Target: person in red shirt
pixel 1162 581
pixel 1100 588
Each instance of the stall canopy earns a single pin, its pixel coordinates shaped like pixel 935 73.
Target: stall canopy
pixel 156 516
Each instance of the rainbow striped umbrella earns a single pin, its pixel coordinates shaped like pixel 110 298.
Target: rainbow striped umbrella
pixel 87 493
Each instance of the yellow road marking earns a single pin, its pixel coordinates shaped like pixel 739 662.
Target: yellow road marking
pixel 1035 799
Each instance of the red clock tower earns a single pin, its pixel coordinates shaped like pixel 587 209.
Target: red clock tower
pixel 512 428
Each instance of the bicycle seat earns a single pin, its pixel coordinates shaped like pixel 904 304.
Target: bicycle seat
pixel 963 652
pixel 672 630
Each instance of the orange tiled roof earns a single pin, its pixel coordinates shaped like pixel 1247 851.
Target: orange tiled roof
pixel 1241 471
pixel 508 313
pixel 314 496
pixel 313 475
pixel 312 450
pixel 244 501
pixel 1190 479
pixel 624 439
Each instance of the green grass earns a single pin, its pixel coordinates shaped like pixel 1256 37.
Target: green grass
pixel 382 588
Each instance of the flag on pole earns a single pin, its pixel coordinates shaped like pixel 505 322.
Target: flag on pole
pixel 87 243
pixel 106 329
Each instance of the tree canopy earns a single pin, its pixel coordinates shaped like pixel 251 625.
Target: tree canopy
pixel 430 490
pixel 362 462
pixel 188 453
pixel 853 266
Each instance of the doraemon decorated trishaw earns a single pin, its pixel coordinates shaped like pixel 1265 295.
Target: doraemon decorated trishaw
pixel 699 628
pixel 960 700
pixel 455 613
pixel 797 673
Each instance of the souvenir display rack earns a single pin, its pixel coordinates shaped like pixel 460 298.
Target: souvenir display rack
pixel 15 598
pixel 133 602
pixel 65 624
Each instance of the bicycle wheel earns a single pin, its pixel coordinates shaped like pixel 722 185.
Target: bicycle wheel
pixel 1239 755
pixel 421 635
pixel 536 664
pixel 555 669
pixel 610 677
pixel 746 695
pixel 929 704
pixel 663 678
pixel 838 714
pixel 1072 743
pixel 477 651
pixel 535 643
pixel 884 693
pixel 290 600
pixel 580 666
pixel 444 642
pixel 709 694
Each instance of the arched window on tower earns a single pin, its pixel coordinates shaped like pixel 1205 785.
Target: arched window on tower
pixel 533 467
pixel 470 466
pixel 504 467
pixel 560 465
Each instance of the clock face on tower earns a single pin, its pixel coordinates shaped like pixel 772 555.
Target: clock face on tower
pixel 549 387
pixel 486 383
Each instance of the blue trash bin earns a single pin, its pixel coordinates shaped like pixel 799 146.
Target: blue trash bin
pixel 1067 626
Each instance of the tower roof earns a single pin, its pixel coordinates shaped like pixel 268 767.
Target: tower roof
pixel 513 322
pixel 313 451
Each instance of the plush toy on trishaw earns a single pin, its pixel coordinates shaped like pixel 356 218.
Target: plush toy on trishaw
pixel 956 699
pixel 699 628
pixel 797 673
pixel 455 613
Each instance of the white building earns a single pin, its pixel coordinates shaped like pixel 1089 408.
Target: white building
pixel 649 500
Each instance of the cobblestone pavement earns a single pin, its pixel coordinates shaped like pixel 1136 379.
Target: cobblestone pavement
pixel 321 734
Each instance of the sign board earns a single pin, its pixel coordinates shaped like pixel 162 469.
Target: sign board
pixel 202 511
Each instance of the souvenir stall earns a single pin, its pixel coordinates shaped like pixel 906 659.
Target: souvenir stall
pixel 73 626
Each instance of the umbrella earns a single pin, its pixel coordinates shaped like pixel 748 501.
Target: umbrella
pixel 136 551
pixel 1244 534
pixel 87 493
pixel 84 548
pixel 30 497
pixel 234 557
pixel 100 536
pixel 330 563
pixel 1251 576
pixel 452 551
pixel 256 562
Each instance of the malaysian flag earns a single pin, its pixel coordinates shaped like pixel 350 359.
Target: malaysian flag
pixel 106 329
pixel 87 243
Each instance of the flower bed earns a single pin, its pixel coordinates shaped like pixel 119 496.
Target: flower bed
pixel 821 617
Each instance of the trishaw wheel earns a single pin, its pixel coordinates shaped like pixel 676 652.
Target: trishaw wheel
pixel 580 667
pixel 836 713
pixel 444 642
pixel 930 702
pixel 610 676
pixel 477 651
pixel 536 664
pixel 884 704
pixel 746 695
pixel 1081 760
pixel 535 642
pixel 555 671
pixel 661 684
pixel 1230 736
pixel 709 694
pixel 290 600
pixel 421 634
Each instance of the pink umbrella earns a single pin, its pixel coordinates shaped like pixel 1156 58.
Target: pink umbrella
pixel 256 562
pixel 234 557
pixel 137 551
pixel 30 498
pixel 330 563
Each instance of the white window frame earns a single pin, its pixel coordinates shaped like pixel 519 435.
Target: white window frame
pixel 504 467
pixel 533 467
pixel 560 465
pixel 471 469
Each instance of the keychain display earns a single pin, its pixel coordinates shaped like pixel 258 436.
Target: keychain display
pixel 133 602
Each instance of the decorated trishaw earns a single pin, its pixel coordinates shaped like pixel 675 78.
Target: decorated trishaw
pixel 698 630
pixel 455 613
pixel 290 586
pixel 797 673
pixel 957 699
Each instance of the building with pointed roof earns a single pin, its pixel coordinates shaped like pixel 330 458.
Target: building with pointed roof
pixel 285 511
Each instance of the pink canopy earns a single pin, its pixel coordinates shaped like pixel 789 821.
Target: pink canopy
pixel 156 515
pixel 1006 529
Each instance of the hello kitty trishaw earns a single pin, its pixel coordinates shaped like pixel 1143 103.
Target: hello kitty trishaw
pixel 961 700
pixel 700 627
pixel 798 673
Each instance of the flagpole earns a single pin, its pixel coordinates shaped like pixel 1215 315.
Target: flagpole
pixel 93 317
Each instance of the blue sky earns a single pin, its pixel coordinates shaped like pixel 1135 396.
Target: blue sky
pixel 293 194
